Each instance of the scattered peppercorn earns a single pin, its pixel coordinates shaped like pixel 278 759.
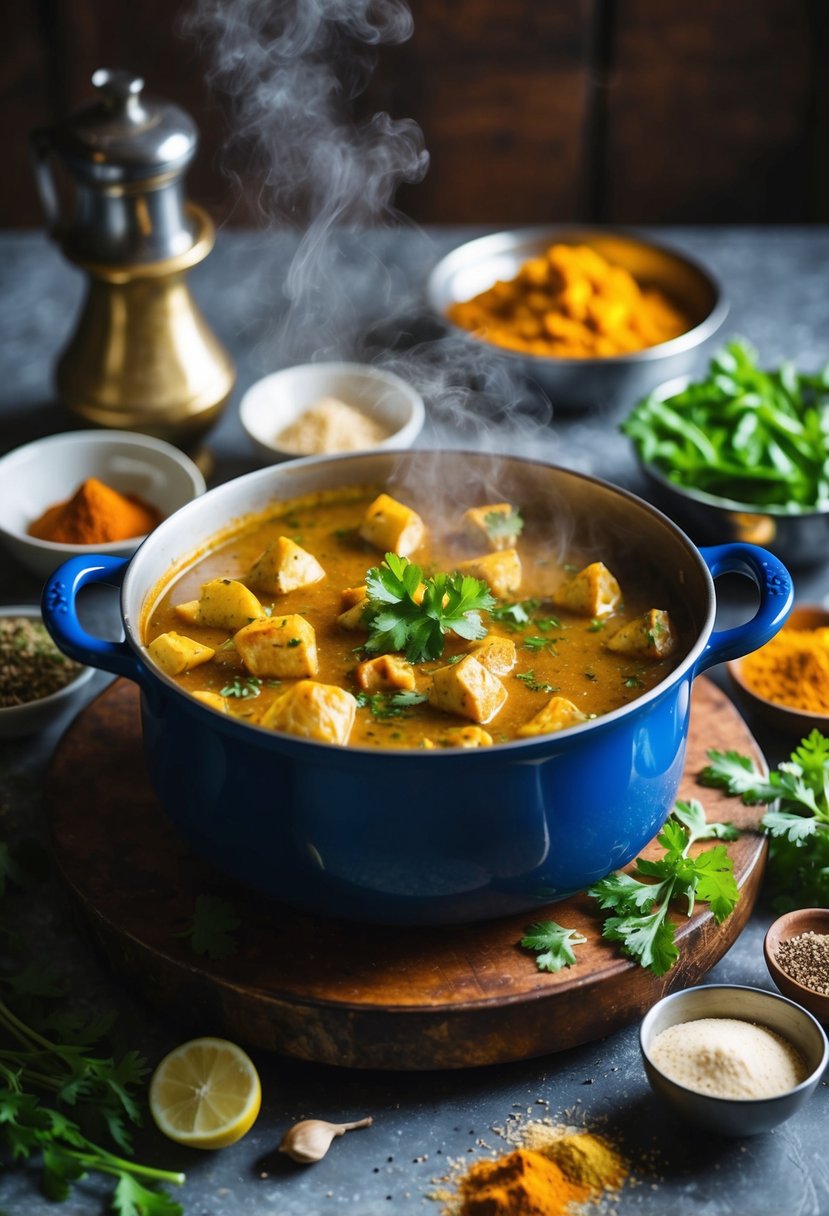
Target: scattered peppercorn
pixel 31 666
pixel 805 958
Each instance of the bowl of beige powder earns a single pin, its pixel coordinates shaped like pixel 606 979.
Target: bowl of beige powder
pixel 732 1059
pixel 318 409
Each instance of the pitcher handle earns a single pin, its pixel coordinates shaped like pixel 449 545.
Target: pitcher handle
pixel 772 580
pixel 42 145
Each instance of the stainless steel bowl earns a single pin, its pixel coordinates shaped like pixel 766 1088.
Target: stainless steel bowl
pixel 733 1116
pixel 802 539
pixel 578 384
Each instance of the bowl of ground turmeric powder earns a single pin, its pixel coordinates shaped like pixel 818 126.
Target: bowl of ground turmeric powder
pixel 786 682
pixel 101 490
pixel 595 318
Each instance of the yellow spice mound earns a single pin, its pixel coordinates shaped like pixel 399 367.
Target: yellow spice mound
pixel 582 1157
pixel 571 303
pixel 792 669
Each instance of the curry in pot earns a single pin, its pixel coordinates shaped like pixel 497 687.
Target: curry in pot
pixel 350 618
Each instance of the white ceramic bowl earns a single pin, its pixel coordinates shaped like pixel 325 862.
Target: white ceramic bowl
pixel 47 471
pixel 32 716
pixel 277 400
pixel 736 1116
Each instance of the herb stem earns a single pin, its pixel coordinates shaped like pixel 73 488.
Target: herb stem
pixel 107 1163
pixel 23 1033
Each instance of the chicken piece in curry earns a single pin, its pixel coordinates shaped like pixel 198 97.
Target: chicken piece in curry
pixel 351 618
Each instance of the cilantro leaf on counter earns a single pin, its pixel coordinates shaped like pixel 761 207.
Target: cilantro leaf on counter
pixel 642 922
pixel 797 819
pixel 554 943
pixel 405 611
pixel 210 928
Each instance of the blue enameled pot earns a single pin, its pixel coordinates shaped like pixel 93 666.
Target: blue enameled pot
pixel 414 836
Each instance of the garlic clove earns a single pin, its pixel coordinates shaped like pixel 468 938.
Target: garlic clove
pixel 309 1140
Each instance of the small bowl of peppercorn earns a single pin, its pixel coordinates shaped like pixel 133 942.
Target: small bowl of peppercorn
pixel 796 949
pixel 38 683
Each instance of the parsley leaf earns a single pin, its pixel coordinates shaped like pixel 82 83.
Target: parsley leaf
pixel 555 944
pixel 504 525
pixel 406 612
pixel 210 928
pixel 797 819
pixel 642 922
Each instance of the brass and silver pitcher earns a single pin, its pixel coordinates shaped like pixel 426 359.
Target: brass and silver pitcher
pixel 142 356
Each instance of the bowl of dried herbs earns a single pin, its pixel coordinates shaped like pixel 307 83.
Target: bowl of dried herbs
pixel 37 681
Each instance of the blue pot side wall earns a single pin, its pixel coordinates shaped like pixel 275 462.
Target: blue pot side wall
pixel 415 839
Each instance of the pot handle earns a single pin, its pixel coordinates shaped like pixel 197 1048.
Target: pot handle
pixel 61 619
pixel 772 580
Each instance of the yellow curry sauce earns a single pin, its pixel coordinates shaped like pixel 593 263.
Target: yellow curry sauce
pixel 559 652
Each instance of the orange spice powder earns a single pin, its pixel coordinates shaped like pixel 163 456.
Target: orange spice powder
pixel 792 669
pixel 94 515
pixel 524 1182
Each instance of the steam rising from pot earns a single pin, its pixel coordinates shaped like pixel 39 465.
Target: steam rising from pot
pixel 290 71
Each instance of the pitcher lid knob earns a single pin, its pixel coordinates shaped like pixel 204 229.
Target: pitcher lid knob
pixel 120 92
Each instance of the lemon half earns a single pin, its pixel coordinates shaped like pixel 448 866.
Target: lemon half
pixel 205 1094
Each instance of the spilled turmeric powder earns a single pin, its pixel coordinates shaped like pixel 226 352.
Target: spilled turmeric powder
pixel 552 1172
pixel 582 1156
pixel 521 1182
pixel 792 669
pixel 571 303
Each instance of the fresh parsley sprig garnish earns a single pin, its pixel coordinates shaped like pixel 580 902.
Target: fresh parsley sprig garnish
pixel 554 944
pixel 408 612
pixel 641 922
pixel 797 819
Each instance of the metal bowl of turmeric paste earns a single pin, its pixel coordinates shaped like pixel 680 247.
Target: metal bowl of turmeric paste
pixel 595 318
pixel 786 682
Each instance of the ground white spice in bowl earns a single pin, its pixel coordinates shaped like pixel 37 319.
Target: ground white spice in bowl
pixel 331 425
pixel 734 1060
pixel 728 1058
pixel 326 408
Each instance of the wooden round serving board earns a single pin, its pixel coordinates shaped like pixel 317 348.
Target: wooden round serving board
pixel 364 996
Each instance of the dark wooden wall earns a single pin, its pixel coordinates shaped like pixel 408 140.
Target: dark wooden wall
pixel 622 111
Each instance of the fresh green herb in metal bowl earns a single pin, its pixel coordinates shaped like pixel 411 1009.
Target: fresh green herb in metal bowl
pixel 742 454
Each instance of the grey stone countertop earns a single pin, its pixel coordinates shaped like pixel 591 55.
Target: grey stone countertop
pixel 777 283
